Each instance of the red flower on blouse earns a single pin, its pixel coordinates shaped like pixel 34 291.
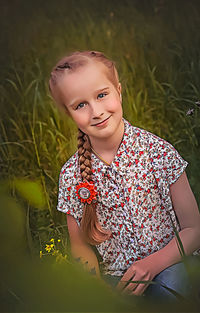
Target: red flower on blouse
pixel 86 192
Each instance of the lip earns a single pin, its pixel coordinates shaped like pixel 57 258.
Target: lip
pixel 102 123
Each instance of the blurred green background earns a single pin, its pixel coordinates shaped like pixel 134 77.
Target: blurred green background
pixel 155 45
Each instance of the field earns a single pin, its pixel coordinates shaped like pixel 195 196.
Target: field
pixel 155 45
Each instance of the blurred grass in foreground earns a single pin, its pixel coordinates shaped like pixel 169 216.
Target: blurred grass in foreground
pixel 30 284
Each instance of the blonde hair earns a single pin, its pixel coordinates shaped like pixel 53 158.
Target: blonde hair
pixel 92 230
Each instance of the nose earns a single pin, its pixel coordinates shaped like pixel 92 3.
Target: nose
pixel 97 110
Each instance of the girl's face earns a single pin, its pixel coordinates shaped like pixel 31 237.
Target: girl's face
pixel 92 100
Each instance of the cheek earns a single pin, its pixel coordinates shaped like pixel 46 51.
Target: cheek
pixel 80 118
pixel 114 105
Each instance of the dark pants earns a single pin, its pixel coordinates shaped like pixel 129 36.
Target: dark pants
pixel 176 277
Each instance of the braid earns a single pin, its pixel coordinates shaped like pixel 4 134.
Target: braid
pixel 84 153
pixel 90 226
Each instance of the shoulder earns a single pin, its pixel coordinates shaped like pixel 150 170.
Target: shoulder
pixel 68 201
pixel 133 132
pixel 146 137
pixel 153 142
pixel 158 149
pixel 70 169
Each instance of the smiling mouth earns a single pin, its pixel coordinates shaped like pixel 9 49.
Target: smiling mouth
pixel 101 121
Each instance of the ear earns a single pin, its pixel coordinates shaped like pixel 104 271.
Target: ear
pixel 119 88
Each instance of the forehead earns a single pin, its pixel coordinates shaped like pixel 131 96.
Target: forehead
pixel 85 79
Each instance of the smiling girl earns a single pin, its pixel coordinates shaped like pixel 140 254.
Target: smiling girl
pixel 125 189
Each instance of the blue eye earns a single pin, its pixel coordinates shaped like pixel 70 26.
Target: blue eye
pixel 101 95
pixel 80 105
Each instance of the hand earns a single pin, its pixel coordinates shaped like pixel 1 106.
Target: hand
pixel 142 270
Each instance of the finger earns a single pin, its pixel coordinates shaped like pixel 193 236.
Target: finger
pixel 138 284
pixel 131 286
pixel 124 280
pixel 121 284
pixel 140 288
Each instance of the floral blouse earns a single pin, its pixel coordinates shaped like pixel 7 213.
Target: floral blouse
pixel 133 197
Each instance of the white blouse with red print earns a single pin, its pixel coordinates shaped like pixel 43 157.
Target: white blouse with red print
pixel 133 197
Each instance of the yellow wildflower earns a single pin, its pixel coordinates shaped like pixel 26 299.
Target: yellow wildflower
pixel 48 248
pixel 40 254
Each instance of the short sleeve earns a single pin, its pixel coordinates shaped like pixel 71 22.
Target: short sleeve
pixel 68 201
pixel 166 160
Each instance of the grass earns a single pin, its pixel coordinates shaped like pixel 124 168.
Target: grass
pixel 155 47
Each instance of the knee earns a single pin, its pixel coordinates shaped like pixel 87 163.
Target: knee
pixel 172 283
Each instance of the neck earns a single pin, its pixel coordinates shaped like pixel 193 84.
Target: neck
pixel 108 146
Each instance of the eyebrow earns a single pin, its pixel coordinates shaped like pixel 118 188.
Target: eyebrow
pixel 79 101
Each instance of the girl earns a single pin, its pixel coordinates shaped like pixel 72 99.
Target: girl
pixel 125 190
